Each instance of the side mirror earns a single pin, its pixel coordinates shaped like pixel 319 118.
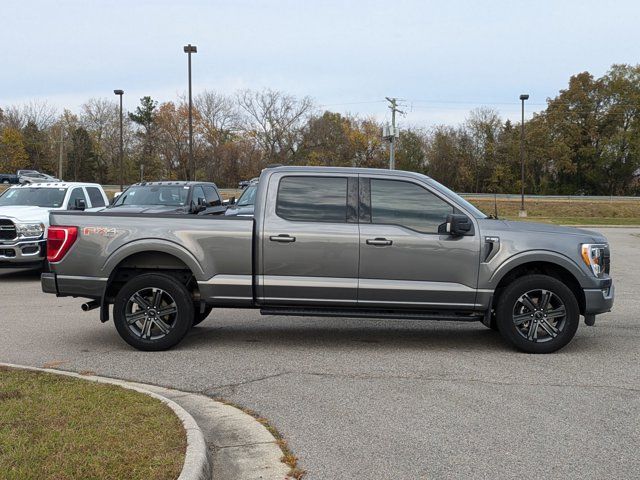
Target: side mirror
pixel 80 204
pixel 200 206
pixel 459 225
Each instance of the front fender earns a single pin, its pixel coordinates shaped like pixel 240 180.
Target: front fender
pixel 532 256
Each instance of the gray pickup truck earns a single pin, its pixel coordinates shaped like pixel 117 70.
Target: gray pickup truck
pixel 342 242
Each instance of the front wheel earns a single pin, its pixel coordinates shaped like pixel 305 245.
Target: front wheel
pixel 153 312
pixel 537 314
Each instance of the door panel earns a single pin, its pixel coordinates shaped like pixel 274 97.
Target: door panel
pixel 403 258
pixel 310 250
pixel 417 270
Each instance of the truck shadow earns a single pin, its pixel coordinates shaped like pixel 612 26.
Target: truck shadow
pixel 366 334
pixel 22 275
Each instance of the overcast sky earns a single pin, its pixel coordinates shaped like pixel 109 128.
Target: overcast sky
pixel 442 58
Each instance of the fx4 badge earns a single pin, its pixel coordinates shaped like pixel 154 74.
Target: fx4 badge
pixel 101 231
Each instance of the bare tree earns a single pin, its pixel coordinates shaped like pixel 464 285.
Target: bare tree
pixel 100 117
pixel 275 120
pixel 218 122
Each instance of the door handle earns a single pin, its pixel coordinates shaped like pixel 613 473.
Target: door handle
pixel 379 242
pixel 283 238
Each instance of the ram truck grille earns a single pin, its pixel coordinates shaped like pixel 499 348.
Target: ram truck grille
pixel 7 230
pixel 606 260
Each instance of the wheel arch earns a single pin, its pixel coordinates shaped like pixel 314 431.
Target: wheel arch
pixel 548 266
pixel 162 257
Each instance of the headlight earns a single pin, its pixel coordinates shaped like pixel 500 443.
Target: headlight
pixel 29 230
pixel 593 257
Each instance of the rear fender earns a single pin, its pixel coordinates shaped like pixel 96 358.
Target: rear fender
pixel 148 245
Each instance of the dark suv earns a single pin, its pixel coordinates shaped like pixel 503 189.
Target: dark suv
pixel 170 197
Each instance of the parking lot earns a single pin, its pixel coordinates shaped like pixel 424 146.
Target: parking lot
pixel 369 399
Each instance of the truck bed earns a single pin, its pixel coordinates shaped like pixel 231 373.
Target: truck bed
pixel 218 251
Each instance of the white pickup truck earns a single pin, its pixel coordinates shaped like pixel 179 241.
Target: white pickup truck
pixel 24 217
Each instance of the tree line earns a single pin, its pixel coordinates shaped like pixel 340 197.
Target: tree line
pixel 586 140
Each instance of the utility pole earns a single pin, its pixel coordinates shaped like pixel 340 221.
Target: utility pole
pixel 189 49
pixel 120 92
pixel 523 212
pixel 393 134
pixel 61 150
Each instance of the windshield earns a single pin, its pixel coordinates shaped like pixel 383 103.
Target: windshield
pixel 34 197
pixel 471 208
pixel 168 195
pixel 248 197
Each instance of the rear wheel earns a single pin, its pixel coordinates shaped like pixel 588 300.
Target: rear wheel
pixel 537 314
pixel 198 316
pixel 153 312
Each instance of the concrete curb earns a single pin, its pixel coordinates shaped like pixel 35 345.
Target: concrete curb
pixel 196 460
pixel 223 442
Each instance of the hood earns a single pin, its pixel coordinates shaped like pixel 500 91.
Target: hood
pixel 547 228
pixel 148 209
pixel 24 213
pixel 246 210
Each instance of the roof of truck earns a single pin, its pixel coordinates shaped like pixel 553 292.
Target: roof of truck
pixel 57 185
pixel 181 183
pixel 344 170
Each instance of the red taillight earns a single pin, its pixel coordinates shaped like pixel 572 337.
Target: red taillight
pixel 59 241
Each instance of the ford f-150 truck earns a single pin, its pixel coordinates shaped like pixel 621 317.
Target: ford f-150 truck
pixel 24 217
pixel 334 242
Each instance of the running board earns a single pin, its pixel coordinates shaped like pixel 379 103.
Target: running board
pixel 360 313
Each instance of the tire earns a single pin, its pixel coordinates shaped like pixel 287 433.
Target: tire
pixel 138 307
pixel 5 182
pixel 198 317
pixel 537 314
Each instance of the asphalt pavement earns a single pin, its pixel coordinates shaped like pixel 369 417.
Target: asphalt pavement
pixel 372 399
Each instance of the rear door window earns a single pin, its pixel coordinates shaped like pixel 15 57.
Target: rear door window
pixel 312 199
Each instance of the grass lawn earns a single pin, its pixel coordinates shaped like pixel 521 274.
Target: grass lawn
pixel 566 212
pixel 63 428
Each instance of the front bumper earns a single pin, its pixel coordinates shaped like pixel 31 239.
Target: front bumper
pixel 22 253
pixel 599 300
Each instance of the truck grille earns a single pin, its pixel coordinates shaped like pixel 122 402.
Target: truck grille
pixel 606 260
pixel 7 230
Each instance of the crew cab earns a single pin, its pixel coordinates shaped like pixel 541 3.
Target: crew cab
pixel 170 197
pixel 24 217
pixel 334 242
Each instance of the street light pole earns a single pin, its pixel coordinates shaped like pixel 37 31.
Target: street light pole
pixel 120 93
pixel 189 49
pixel 523 212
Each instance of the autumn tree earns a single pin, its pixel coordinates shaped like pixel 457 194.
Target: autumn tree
pixel 13 154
